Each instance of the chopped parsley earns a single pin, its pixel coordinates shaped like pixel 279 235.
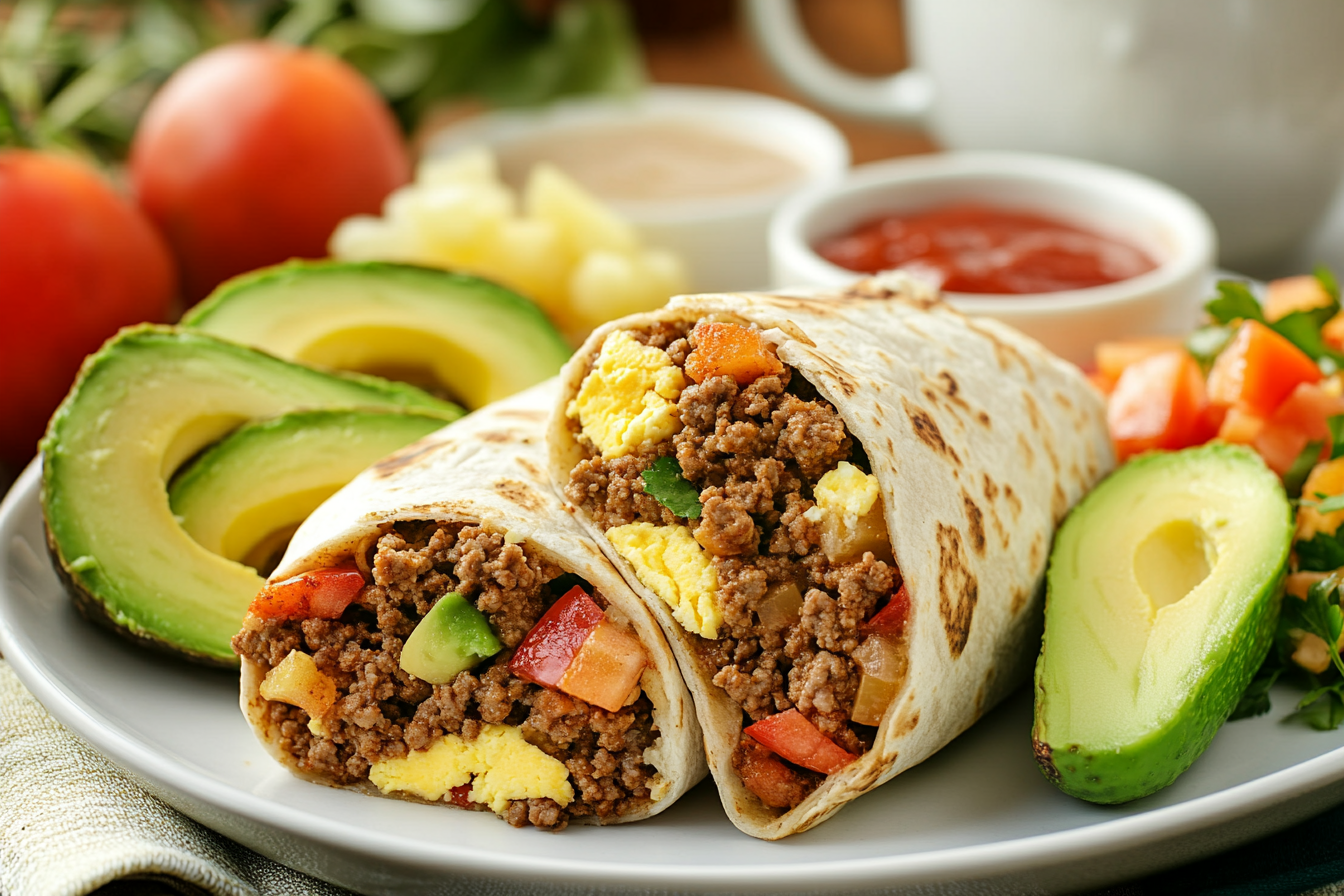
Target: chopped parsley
pixel 669 488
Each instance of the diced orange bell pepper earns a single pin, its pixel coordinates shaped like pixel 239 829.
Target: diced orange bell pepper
pixel 1325 479
pixel 1158 403
pixel 724 349
pixel 1240 427
pixel 1299 419
pixel 1114 357
pixel 1258 370
pixel 1301 293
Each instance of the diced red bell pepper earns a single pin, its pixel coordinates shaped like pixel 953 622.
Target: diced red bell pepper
pixel 607 667
pixel 1158 402
pixel 890 620
pixel 460 795
pixel 319 594
pixel 796 739
pixel 550 647
pixel 1258 370
pixel 1298 420
pixel 724 349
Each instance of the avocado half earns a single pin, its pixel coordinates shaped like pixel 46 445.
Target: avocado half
pixel 148 400
pixel 1163 592
pixel 454 334
pixel 243 497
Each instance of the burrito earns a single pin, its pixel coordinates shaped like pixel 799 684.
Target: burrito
pixel 839 510
pixel 441 630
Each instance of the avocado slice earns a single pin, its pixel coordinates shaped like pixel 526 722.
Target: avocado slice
pixel 1162 596
pixel 452 637
pixel 149 399
pixel 454 334
pixel 243 497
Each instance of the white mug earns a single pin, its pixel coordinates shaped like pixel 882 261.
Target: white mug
pixel 1240 103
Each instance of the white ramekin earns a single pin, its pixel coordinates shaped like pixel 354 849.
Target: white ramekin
pixel 1130 207
pixel 722 239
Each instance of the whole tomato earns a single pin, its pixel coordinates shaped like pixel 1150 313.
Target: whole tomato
pixel 253 152
pixel 77 262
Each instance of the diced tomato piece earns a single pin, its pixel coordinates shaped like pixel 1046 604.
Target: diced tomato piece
pixel 796 739
pixel 1301 293
pixel 607 667
pixel 1258 370
pixel 775 783
pixel 551 646
pixel 1298 420
pixel 1157 403
pixel 320 594
pixel 460 795
pixel 1240 427
pixel 890 620
pixel 723 349
pixel 1103 383
pixel 1333 332
pixel 1114 357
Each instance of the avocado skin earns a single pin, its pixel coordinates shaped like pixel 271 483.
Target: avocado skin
pixel 1111 774
pixel 98 591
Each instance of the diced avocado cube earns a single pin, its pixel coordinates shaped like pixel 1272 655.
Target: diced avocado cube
pixel 453 637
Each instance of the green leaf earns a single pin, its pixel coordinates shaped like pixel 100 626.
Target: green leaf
pixel 1301 468
pixel 1255 699
pixel 1235 301
pixel 1205 343
pixel 1303 329
pixel 667 486
pixel 1323 708
pixel 1327 280
pixel 1322 553
pixel 1329 504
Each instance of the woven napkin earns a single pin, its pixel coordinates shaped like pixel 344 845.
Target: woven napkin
pixel 72 822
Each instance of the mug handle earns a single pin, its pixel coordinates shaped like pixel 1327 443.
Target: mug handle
pixel 904 97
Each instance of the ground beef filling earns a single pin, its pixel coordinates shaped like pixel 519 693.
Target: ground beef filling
pixel 756 452
pixel 382 712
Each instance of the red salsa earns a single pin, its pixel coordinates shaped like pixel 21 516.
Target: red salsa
pixel 983 249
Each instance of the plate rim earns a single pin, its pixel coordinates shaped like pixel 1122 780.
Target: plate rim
pixel 967 862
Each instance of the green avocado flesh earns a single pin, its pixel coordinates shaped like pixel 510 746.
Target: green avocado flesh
pixel 451 638
pixel 243 497
pixel 459 335
pixel 1162 596
pixel 148 400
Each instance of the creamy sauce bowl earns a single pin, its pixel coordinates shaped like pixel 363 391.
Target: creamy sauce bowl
pixel 698 170
pixel 1128 207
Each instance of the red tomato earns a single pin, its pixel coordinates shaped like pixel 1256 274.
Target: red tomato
pixel 1158 403
pixel 1298 420
pixel 77 262
pixel 320 594
pixel 796 739
pixel 1258 369
pixel 253 152
pixel 890 620
pixel 551 645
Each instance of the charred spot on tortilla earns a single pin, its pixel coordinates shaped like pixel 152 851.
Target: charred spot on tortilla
pixel 1036 553
pixel 1063 401
pixel 907 722
pixel 1018 602
pixel 958 589
pixel 1059 504
pixel 404 458
pixel 975 523
pixel 1014 502
pixel 1028 455
pixel 499 438
pixel 991 489
pixel 928 431
pixel 1033 411
pixel 983 419
pixel 1004 354
pixel 519 493
pixel 528 415
pixel 950 383
pixel 532 468
pixel 795 332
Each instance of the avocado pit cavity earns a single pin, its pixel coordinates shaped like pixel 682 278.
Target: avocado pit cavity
pixel 1173 560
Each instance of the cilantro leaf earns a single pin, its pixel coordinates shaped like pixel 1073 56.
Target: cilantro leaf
pixel 1301 468
pixel 1326 278
pixel 1336 427
pixel 1329 504
pixel 1255 699
pixel 1319 613
pixel 1235 301
pixel 1205 343
pixel 1323 707
pixel 1303 329
pixel 667 486
pixel 1322 553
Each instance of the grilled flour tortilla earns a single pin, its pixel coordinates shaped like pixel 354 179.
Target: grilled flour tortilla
pixel 877 479
pixel 467 510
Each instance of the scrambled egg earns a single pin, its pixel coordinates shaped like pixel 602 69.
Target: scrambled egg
pixel 629 398
pixel 670 561
pixel 846 491
pixel 501 765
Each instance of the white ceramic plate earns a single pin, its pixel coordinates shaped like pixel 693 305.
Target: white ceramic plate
pixel 976 815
